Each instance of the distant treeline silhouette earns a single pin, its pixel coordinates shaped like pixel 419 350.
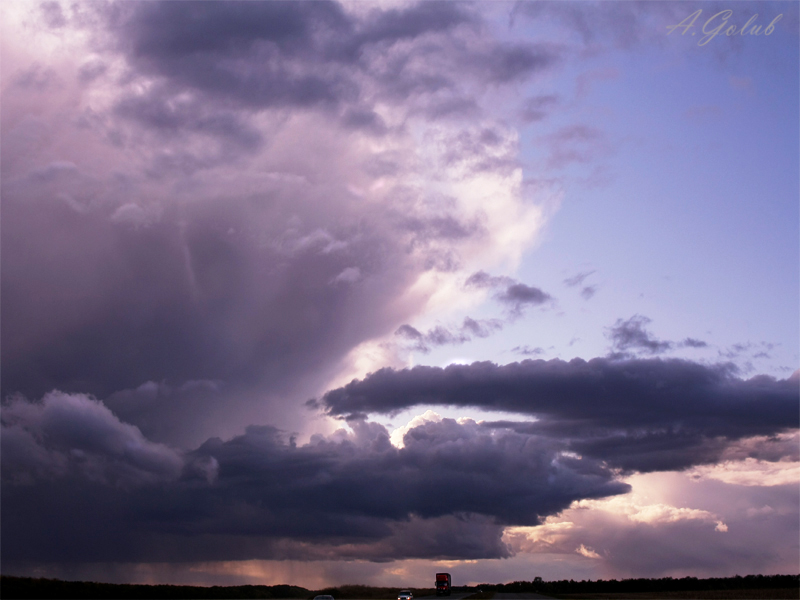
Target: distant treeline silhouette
pixel 27 587
pixel 664 584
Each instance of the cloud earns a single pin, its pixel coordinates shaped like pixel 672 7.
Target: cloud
pixel 535 108
pixel 195 234
pixel 587 552
pixel 650 513
pixel 756 461
pixel 577 529
pixel 253 193
pixel 442 336
pixel 348 275
pixel 67 433
pixel 322 56
pixel 527 350
pixel 587 291
pixel 751 472
pixel 631 334
pixel 515 295
pixel 637 415
pixel 519 295
pixel 482 280
pixel 261 495
pixel 643 533
pixel 578 279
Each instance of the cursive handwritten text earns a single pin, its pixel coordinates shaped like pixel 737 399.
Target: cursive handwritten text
pixel 718 24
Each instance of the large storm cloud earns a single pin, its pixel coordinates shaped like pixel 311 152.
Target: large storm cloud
pixel 262 205
pixel 242 195
pixel 108 493
pixel 644 415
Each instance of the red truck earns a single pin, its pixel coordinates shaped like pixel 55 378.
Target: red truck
pixel 443 584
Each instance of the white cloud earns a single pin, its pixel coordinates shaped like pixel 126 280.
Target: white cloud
pixel 587 552
pixel 750 472
pixel 398 434
pixel 630 507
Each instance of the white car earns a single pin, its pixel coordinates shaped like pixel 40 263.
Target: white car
pixel 405 595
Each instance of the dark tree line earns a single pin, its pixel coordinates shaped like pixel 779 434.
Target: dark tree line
pixel 664 584
pixel 26 587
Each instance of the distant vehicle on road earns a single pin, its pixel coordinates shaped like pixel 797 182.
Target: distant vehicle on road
pixel 323 597
pixel 405 595
pixel 443 584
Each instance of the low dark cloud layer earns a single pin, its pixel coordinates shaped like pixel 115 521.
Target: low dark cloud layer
pixel 83 486
pixel 637 415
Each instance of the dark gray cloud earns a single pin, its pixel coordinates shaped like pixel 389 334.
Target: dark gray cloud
pixel 442 336
pixel 483 280
pixel 528 351
pixel 71 434
pixel 260 495
pixel 519 295
pixel 515 295
pixel 482 327
pixel 313 56
pixel 641 415
pixel 240 52
pixel 632 335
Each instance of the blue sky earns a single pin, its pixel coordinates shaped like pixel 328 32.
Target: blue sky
pixel 692 215
pixel 274 274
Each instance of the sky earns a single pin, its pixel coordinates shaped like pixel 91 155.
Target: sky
pixel 354 292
